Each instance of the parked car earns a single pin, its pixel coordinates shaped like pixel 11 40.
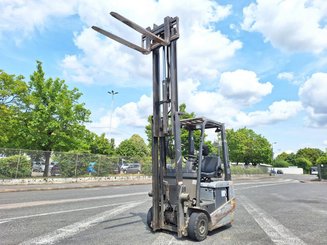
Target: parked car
pixel 40 166
pixel 55 170
pixel 272 172
pixel 124 166
pixel 279 171
pixel 133 168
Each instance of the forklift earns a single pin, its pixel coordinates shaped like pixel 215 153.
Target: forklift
pixel 192 192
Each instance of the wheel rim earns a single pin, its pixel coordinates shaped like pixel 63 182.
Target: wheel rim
pixel 202 227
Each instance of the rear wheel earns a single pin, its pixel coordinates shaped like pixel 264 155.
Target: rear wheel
pixel 149 218
pixel 198 226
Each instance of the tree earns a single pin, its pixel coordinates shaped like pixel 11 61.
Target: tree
pixel 133 147
pixel 288 157
pixel 312 154
pixel 12 91
pixel 280 163
pixel 304 163
pixel 101 145
pixel 248 147
pixel 54 118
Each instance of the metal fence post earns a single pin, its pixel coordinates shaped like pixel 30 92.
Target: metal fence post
pixel 76 160
pixel 99 160
pixel 17 166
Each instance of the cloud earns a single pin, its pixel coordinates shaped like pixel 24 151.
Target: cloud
pixel 290 25
pixel 228 109
pixel 278 111
pixel 243 86
pixel 125 120
pixel 289 76
pixel 201 48
pixel 313 94
pixel 21 18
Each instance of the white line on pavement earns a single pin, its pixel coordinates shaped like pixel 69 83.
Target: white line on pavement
pixel 258 186
pixel 73 229
pixel 266 182
pixel 278 233
pixel 167 239
pixel 47 202
pixel 6 220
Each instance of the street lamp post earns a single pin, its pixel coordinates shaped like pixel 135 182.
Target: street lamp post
pixel 113 93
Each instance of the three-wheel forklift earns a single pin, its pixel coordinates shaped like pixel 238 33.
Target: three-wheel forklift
pixel 192 191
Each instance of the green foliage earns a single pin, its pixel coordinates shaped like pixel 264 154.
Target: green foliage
pixel 280 163
pixel 15 166
pixel 43 114
pixel 101 145
pixel 248 147
pixel 312 154
pixel 12 92
pixel 322 160
pixel 53 115
pixel 133 147
pixel 304 163
pixel 288 157
pixel 146 165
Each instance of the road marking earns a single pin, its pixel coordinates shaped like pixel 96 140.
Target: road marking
pixel 6 220
pixel 258 186
pixel 167 239
pixel 48 202
pixel 278 233
pixel 73 229
pixel 265 182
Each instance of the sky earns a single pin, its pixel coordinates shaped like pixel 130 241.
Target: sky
pixel 256 64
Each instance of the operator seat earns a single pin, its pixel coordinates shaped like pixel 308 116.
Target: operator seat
pixel 211 167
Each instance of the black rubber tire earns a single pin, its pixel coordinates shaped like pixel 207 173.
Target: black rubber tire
pixel 198 226
pixel 149 218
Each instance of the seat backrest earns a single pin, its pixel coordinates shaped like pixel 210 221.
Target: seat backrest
pixel 210 165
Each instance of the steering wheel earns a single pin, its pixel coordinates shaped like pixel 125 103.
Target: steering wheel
pixel 190 157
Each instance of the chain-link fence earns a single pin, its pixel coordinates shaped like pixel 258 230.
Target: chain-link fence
pixel 19 163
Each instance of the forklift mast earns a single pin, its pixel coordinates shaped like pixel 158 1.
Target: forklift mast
pixel 162 42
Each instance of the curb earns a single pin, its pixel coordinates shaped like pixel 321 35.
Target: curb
pixel 48 187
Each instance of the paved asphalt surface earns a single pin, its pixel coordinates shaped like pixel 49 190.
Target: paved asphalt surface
pixel 283 209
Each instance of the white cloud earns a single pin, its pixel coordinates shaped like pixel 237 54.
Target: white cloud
pixel 24 17
pixel 325 142
pixel 125 120
pixel 277 111
pixel 201 48
pixel 243 86
pixel 225 108
pixel 291 25
pixel 313 94
pixel 289 76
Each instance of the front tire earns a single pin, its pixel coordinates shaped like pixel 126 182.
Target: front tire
pixel 149 218
pixel 198 226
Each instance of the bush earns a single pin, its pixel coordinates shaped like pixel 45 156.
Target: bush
pixel 280 163
pixel 304 163
pixel 8 167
